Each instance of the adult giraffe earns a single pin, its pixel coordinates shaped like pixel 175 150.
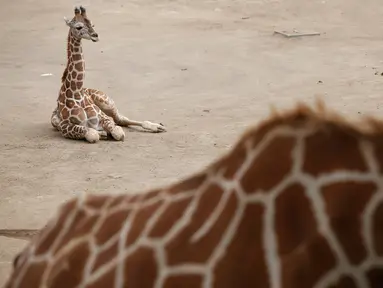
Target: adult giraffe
pixel 297 203
pixel 84 113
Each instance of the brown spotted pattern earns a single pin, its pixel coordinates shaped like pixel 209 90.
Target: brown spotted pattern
pixel 297 203
pixel 81 111
pixel 76 111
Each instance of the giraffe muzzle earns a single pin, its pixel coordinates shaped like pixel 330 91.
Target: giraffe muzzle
pixel 94 37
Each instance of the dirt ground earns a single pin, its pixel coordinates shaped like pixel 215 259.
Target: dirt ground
pixel 206 69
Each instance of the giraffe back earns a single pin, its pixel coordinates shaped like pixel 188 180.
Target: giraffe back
pixel 297 202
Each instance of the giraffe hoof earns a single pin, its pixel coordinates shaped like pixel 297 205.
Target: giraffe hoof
pixel 103 135
pixel 118 134
pixel 92 136
pixel 154 127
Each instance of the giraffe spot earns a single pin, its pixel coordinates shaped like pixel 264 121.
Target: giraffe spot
pixel 79 67
pixel 377 229
pixel 87 102
pixel 306 265
pixel 378 152
pixel 76 49
pixel 151 194
pixel 69 103
pixel 345 204
pixel 74 74
pixel 96 201
pixel 68 77
pixel 76 57
pixel 101 101
pixel 61 99
pixel 79 85
pixel 294 219
pixel 90 112
pixel 67 270
pixel 64 75
pixel 105 280
pixel 105 256
pixel 62 90
pixel 189 184
pixel 140 221
pixel 336 146
pixel 296 119
pixel 140 268
pixel 243 263
pixel 73 85
pixel 90 91
pixel 64 113
pixel 232 162
pixel 185 247
pixel 118 199
pixel 184 281
pixel 68 93
pixel 70 67
pixel 128 199
pixel 111 225
pixel 375 277
pixel 81 226
pixel 77 95
pixel 78 113
pixel 133 198
pixel 80 76
pixel 270 167
pixel 345 281
pixel 67 83
pixel 169 218
pixel 33 275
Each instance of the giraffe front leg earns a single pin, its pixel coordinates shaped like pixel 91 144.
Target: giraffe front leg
pixel 107 105
pixel 109 126
pixel 103 135
pixel 78 132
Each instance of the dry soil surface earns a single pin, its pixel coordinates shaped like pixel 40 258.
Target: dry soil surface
pixel 206 69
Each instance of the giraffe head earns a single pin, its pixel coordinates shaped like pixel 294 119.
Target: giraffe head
pixel 81 26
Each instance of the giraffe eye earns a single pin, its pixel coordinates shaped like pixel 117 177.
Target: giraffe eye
pixel 78 27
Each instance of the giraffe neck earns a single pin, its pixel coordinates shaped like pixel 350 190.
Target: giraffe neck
pixel 74 73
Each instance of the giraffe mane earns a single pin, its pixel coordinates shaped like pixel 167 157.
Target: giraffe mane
pixel 302 115
pixel 65 73
pixel 319 115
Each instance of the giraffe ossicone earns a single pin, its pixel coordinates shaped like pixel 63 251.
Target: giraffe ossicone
pixel 296 203
pixel 84 113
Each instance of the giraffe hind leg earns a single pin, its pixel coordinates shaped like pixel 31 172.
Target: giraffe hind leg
pixel 107 105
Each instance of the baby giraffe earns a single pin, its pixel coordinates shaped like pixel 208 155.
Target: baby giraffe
pixel 84 113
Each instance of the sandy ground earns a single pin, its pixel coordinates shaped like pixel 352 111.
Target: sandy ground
pixel 206 69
